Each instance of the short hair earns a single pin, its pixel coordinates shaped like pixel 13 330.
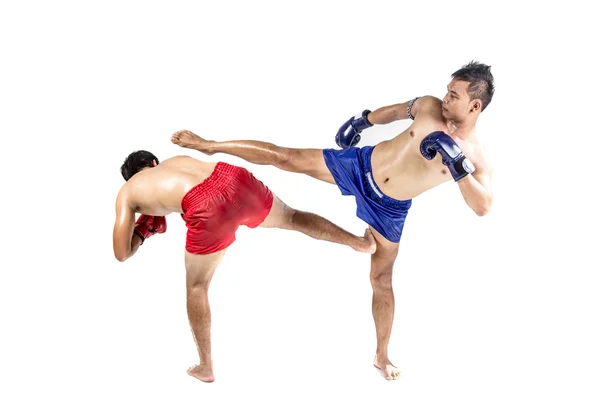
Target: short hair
pixel 481 81
pixel 137 161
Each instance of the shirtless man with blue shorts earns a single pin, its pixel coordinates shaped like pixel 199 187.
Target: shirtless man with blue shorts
pixel 440 145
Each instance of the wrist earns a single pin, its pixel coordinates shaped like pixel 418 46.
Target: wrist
pixel 136 240
pixel 137 234
pixel 142 231
pixel 461 167
pixel 462 179
pixel 365 115
pixel 361 122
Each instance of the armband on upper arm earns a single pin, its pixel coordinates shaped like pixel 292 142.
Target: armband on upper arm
pixel 410 105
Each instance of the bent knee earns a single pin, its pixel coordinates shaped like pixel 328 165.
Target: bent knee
pixel 280 216
pixel 288 218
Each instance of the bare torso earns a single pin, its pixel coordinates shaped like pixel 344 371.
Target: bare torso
pixel 400 170
pixel 159 190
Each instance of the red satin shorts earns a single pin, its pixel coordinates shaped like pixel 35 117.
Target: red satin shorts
pixel 213 210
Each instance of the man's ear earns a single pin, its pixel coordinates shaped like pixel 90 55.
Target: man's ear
pixel 476 105
pixel 154 162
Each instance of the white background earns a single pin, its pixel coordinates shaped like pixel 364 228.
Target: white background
pixel 504 306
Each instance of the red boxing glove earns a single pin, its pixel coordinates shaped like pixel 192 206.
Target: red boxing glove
pixel 148 225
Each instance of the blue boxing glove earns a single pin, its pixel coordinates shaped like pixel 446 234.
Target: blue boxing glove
pixel 349 134
pixel 452 156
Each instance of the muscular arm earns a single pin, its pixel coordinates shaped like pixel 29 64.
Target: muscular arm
pixel 476 188
pixel 396 112
pixel 125 242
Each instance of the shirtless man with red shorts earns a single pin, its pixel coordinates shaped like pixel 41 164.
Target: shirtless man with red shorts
pixel 214 199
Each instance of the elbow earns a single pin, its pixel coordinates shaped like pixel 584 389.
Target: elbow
pixel 481 212
pixel 121 249
pixel 482 209
pixel 121 256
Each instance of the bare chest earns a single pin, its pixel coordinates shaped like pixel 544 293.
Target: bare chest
pixel 401 171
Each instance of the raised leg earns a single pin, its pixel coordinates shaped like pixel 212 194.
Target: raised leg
pixel 304 161
pixel 284 217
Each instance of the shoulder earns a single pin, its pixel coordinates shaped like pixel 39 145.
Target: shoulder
pixel 427 105
pixel 427 101
pixel 124 195
pixel 178 160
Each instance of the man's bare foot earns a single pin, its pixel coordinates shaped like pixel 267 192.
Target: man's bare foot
pixel 189 140
pixel 367 243
pixel 389 371
pixel 203 372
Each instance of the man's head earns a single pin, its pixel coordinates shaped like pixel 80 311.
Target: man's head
pixel 469 92
pixel 137 161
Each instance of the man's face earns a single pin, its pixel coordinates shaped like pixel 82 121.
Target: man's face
pixel 456 103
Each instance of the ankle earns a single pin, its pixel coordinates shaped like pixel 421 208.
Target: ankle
pixel 363 241
pixel 205 361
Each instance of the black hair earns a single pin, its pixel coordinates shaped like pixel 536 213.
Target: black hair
pixel 137 161
pixel 481 81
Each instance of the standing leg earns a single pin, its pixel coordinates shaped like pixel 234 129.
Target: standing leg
pixel 382 264
pixel 283 217
pixel 305 161
pixel 199 272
